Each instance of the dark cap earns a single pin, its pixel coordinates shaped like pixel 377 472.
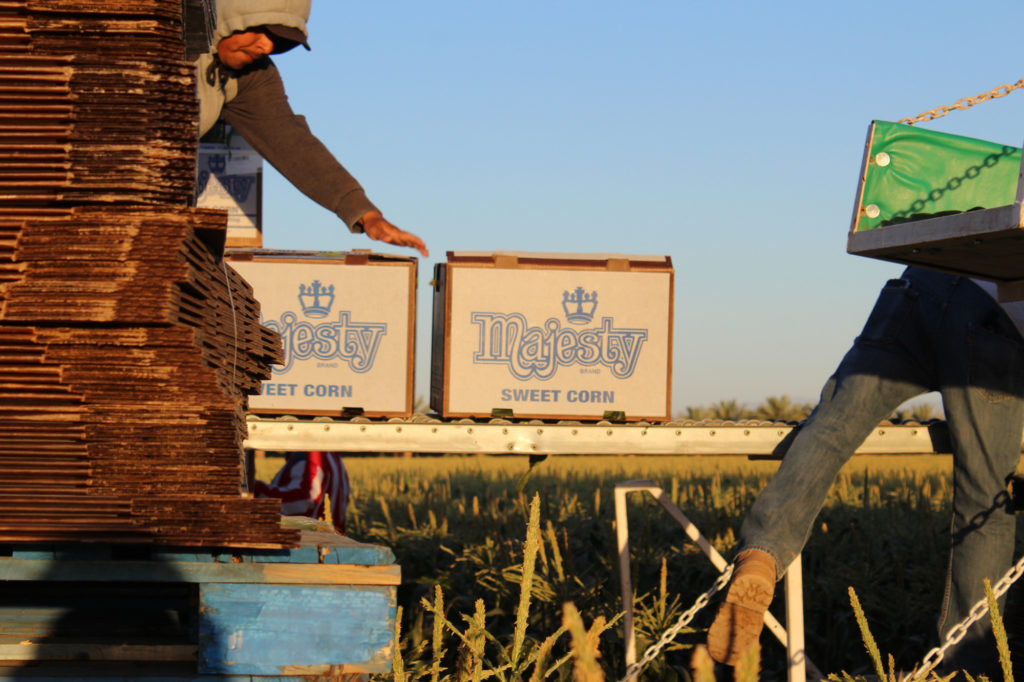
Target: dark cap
pixel 285 37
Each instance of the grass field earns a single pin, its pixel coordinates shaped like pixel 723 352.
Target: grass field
pixel 459 523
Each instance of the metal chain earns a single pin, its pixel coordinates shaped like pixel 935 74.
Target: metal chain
pixel 957 632
pixel 931 659
pixel 652 651
pixel 965 103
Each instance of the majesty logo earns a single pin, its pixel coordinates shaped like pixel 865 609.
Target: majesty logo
pixel 538 352
pixel 579 306
pixel 355 343
pixel 238 187
pixel 316 300
pixel 344 340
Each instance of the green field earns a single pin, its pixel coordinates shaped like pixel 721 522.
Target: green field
pixel 459 523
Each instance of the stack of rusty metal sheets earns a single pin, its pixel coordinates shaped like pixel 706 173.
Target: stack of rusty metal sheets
pixel 127 345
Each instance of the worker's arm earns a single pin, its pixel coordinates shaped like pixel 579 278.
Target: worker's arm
pixel 261 113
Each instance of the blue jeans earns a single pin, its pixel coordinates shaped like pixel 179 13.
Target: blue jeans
pixel 927 332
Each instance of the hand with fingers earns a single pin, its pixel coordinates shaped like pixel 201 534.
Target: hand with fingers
pixel 377 227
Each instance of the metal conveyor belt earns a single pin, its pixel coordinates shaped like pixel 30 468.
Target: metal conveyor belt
pixel 424 434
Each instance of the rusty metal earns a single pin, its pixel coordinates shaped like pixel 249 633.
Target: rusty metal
pixel 964 103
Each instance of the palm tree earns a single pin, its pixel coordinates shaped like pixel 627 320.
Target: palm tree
pixel 923 412
pixel 696 412
pixel 781 408
pixel 730 410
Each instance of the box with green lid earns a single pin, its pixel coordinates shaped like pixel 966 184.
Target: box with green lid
pixel 941 201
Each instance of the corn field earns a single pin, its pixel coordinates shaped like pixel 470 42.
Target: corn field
pixel 458 527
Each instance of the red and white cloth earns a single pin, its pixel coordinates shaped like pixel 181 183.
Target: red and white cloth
pixel 302 482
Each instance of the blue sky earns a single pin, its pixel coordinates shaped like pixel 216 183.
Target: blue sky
pixel 727 135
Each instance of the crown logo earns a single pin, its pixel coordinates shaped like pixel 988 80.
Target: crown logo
pixel 217 163
pixel 579 306
pixel 316 300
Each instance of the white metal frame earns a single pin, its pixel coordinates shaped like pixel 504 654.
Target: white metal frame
pixel 466 436
pixel 799 665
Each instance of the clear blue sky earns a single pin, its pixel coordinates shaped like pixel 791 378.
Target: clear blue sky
pixel 728 135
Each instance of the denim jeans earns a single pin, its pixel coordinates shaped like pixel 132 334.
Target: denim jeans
pixel 927 332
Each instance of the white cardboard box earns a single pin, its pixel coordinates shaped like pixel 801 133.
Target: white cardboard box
pixel 230 177
pixel 560 336
pixel 347 324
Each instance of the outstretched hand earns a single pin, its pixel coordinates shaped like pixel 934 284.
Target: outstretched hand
pixel 377 227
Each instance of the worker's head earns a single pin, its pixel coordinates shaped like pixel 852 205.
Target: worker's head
pixel 248 30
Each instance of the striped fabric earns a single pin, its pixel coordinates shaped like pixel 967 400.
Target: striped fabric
pixel 304 480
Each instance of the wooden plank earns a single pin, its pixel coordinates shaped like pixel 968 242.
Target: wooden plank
pixel 95 651
pixel 986 243
pixel 198 572
pixel 1011 291
pixel 105 619
pixel 970 224
pixel 114 671
pixel 261 629
pixel 317 547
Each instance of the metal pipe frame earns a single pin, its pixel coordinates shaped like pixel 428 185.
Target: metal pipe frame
pixel 799 665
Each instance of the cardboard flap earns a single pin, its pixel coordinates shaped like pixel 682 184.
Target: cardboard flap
pixel 353 257
pixel 617 262
pixel 358 257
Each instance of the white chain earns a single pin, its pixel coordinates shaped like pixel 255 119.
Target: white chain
pixel 957 632
pixel 684 620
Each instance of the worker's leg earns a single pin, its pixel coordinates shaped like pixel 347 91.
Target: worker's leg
pixel 982 394
pixel 879 373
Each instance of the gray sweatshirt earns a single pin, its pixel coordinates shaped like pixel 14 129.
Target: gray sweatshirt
pixel 253 102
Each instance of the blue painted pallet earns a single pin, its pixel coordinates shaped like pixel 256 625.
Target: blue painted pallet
pixel 325 608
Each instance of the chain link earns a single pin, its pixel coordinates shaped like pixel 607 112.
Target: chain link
pixel 931 659
pixel 652 651
pixel 965 103
pixel 957 632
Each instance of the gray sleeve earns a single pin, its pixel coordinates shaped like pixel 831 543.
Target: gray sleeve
pixel 261 113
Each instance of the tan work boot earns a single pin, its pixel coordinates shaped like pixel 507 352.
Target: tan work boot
pixel 740 617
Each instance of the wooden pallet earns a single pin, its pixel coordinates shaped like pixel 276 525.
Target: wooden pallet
pixel 325 609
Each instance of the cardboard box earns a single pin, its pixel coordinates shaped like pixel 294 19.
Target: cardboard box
pixel 230 177
pixel 347 324
pixel 940 201
pixel 559 336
